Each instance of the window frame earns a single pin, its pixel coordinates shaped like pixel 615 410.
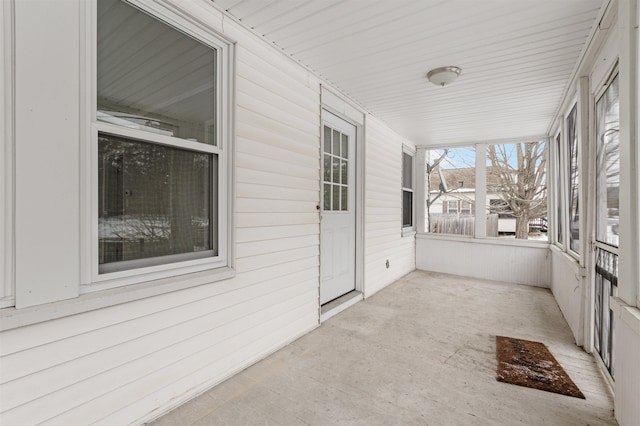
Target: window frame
pixel 222 182
pixel 412 154
pixel 481 191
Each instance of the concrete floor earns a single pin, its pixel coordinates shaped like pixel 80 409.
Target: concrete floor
pixel 420 352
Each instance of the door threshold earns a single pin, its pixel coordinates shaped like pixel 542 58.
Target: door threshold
pixel 338 305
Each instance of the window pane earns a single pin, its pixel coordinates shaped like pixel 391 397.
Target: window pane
pixel 153 77
pixel 407 208
pixel 407 171
pixel 344 172
pixel 153 201
pixel 335 204
pixel 327 197
pixel 608 165
pixel 327 139
pixel 336 143
pixel 517 190
pixel 327 168
pixel 344 198
pixel 451 179
pixel 345 146
pixel 336 170
pixel 574 182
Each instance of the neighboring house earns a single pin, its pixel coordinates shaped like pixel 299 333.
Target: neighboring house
pixel 459 202
pixel 185 184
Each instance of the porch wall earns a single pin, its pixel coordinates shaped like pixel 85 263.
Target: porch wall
pixel 567 288
pixel 383 205
pixel 525 263
pixel 131 362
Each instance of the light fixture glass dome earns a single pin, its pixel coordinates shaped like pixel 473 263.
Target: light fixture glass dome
pixel 443 75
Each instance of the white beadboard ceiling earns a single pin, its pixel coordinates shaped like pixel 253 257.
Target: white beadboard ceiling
pixel 516 56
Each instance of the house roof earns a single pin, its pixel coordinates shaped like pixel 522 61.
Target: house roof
pixel 462 178
pixel 517 58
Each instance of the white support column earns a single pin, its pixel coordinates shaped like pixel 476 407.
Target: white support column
pixel 420 194
pixel 481 191
pixel 629 183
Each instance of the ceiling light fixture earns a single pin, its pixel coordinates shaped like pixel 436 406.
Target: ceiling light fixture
pixel 443 75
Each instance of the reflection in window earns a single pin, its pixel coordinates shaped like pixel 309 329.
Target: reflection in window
pixel 451 177
pixel 517 189
pixel 574 181
pixel 153 201
pixel 608 165
pixel 152 77
pixel 559 189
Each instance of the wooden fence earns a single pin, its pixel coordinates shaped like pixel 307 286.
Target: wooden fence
pixel 441 223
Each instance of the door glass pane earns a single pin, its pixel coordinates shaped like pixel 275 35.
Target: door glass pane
pixel 344 171
pixel 327 197
pixel 608 165
pixel 335 205
pixel 344 195
pixel 327 139
pixel 153 200
pixel 336 170
pixel 345 146
pixel 152 77
pixel 336 143
pixel 327 168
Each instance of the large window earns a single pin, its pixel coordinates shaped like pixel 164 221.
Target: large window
pixel 574 181
pixel 511 200
pixel 608 165
pixel 517 189
pixel 451 177
pixel 158 144
pixel 407 189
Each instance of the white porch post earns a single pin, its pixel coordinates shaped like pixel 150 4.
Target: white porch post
pixel 421 188
pixel 628 263
pixel 481 191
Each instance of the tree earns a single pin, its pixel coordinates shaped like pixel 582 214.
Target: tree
pixel 517 174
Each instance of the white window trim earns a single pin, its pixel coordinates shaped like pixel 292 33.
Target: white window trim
pixel 7 291
pixel 221 265
pixel 409 230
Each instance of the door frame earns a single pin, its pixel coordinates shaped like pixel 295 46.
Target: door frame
pixel 337 106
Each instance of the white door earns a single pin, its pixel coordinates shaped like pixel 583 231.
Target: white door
pixel 338 213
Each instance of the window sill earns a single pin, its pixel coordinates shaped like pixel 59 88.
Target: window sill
pixel 408 232
pixel 13 318
pixel 628 314
pixel 492 241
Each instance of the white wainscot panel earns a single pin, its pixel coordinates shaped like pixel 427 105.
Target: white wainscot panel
pixel 490 259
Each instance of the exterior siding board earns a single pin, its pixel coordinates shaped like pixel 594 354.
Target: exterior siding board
pixel 123 363
pixel 383 229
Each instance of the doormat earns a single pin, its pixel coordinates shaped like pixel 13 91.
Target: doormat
pixel 530 364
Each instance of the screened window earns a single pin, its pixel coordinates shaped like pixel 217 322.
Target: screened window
pixel 451 189
pixel 559 190
pixel 407 190
pixel 608 165
pixel 157 147
pixel 574 181
pixel 516 175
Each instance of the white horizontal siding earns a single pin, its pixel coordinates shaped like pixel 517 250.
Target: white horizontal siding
pixel 383 209
pixel 121 364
